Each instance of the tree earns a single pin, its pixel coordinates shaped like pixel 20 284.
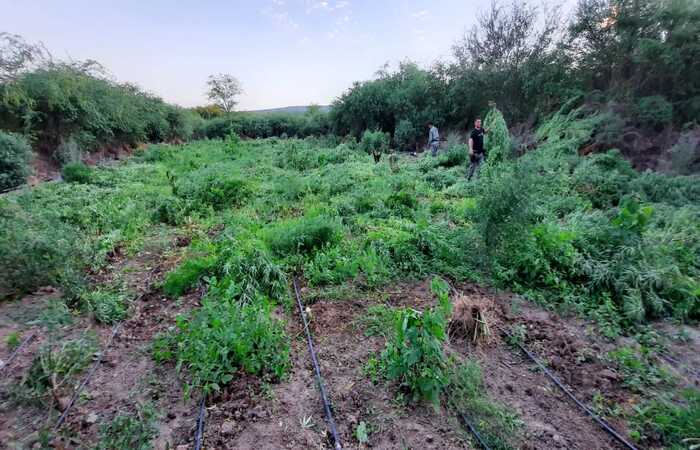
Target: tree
pixel 17 56
pixel 223 90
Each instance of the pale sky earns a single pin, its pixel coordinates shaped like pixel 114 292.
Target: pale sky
pixel 284 52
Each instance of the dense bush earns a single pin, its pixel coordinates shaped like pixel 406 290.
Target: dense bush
pixel 211 186
pixel 223 337
pixel 15 153
pixel 654 111
pixel 303 236
pixel 61 102
pixel 76 172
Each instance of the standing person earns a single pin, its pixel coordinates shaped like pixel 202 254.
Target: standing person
pixel 433 138
pixel 477 155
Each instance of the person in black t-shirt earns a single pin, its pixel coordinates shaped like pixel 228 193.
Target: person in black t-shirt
pixel 477 155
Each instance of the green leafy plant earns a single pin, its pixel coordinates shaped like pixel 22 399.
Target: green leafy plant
pixel 130 431
pixel 186 276
pixel 362 433
pixel 12 340
pixel 672 423
pixel 55 365
pixel 107 306
pixel 14 160
pixel 303 236
pixel 413 355
pixel 223 337
pixel 76 172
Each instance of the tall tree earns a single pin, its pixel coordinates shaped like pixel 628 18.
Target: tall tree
pixel 223 90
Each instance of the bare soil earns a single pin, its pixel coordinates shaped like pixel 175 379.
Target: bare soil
pixel 253 414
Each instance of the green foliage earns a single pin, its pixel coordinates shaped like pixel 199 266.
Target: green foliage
pixel 638 367
pixel 362 433
pixel 211 186
pixel 63 101
pixel 466 394
pixel 654 111
pixel 130 431
pixel 374 142
pixel 671 423
pixel 497 141
pixel 405 135
pixel 456 155
pixel 12 340
pixel 76 172
pixel 55 364
pixel 15 153
pixel 303 236
pixel 107 306
pixel 187 275
pixel 224 336
pixel 245 274
pixel 413 356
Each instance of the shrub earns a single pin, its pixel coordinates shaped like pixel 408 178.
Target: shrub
pixel 654 111
pixel 405 135
pixel 413 355
pixel 213 185
pixel 76 172
pixel 187 275
pixel 245 275
pixel 38 250
pixel 223 337
pixel 106 306
pixel 669 422
pixel 375 143
pixel 497 141
pixel 456 155
pixel 15 153
pixel 303 236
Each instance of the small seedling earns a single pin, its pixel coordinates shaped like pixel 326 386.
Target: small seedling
pixel 306 422
pixel 12 340
pixel 362 433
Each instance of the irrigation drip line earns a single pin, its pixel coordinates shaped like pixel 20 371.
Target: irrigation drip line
pixel 85 380
pixel 321 388
pixel 16 351
pixel 474 432
pixel 198 437
pixel 564 389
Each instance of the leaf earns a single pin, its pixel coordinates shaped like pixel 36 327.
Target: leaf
pixel 361 433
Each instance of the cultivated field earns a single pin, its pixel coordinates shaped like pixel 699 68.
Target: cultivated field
pixel 168 278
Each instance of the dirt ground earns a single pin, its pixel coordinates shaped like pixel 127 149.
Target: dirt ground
pixel 251 414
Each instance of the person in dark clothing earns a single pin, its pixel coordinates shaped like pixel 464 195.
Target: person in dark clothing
pixel 477 155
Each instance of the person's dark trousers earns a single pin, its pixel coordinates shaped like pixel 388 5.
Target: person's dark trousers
pixel 475 162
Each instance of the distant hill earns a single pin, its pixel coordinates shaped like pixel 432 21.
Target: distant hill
pixel 289 109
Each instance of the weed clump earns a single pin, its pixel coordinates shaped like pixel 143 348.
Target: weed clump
pixel 223 337
pixel 130 431
pixel 303 236
pixel 76 172
pixel 54 366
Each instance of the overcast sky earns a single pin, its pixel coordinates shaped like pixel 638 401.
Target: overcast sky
pixel 284 52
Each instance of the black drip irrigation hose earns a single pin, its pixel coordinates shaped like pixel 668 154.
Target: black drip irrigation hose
pixel 474 432
pixel 564 389
pixel 16 351
pixel 84 383
pixel 199 435
pixel 321 388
